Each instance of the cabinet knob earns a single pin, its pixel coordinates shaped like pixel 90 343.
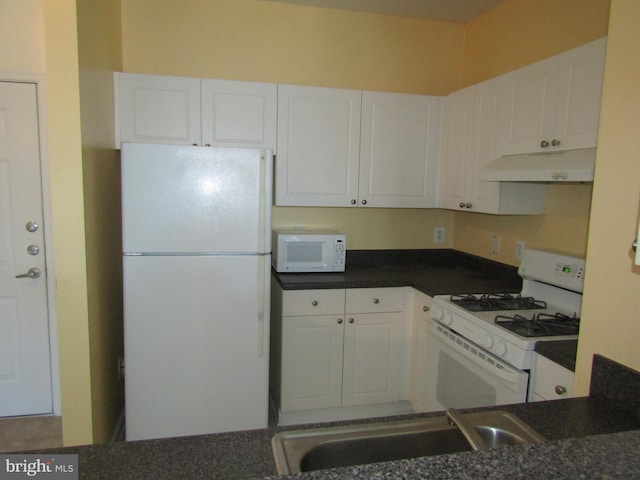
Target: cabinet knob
pixel 375 300
pixel 364 202
pixel 314 303
pixel 555 143
pixel 469 205
pixel 339 321
pixel 425 308
pixel 351 320
pixel 353 201
pixel 560 390
pixel 544 144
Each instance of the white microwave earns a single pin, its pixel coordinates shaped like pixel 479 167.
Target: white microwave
pixel 308 251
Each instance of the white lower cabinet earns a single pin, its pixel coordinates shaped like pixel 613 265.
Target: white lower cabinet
pixel 333 348
pixel 419 358
pixel 551 381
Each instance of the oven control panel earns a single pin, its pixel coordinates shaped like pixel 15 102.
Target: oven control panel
pixel 553 269
pixel 570 270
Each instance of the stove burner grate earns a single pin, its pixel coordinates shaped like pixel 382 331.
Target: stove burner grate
pixel 491 302
pixel 540 325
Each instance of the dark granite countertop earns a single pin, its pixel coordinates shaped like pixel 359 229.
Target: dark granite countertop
pixel 562 352
pixel 588 437
pixel 434 272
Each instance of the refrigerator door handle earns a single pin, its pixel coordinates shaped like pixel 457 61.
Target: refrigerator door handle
pixel 262 302
pixel 266 195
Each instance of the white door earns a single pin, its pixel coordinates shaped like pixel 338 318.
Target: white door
pixel 25 366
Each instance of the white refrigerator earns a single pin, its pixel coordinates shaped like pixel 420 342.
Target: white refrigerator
pixel 196 225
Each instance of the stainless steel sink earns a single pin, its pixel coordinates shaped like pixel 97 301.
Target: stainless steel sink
pixel 320 448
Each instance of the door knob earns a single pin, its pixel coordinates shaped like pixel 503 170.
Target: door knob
pixel 33 249
pixel 31 227
pixel 32 273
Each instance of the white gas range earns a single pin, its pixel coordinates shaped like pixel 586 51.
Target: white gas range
pixel 509 325
pixel 482 345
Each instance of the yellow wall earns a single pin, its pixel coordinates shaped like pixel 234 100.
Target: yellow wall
pixel 518 32
pixel 611 303
pixel 99 55
pixel 265 41
pixel 563 229
pixel 64 150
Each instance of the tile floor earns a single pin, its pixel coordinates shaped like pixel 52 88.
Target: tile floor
pixel 30 433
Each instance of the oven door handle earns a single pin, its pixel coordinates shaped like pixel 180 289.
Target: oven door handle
pixel 477 355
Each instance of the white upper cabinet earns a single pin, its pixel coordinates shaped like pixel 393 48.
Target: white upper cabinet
pixel 554 104
pixel 193 111
pixel 239 114
pixel 346 148
pixel 318 146
pixel 157 109
pixel 470 142
pixel 399 148
pixel 457 122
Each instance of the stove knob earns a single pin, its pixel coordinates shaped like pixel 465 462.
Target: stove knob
pixel 500 349
pixel 437 313
pixel 488 341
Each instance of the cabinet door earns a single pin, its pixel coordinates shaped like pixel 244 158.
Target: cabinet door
pixel 528 108
pixel 239 114
pixel 579 95
pixel 484 196
pixel 372 359
pixel 311 362
pixel 157 109
pixel 419 358
pixel 318 146
pixel 399 150
pixel 456 148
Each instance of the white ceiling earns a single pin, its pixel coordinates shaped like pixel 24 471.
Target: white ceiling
pixel 456 11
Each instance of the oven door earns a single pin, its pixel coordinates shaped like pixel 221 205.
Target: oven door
pixel 462 375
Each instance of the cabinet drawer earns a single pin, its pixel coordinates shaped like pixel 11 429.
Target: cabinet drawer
pixel 551 376
pixel 371 300
pixel 313 302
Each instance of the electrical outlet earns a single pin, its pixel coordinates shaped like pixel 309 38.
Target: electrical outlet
pixel 495 245
pixel 438 235
pixel 520 246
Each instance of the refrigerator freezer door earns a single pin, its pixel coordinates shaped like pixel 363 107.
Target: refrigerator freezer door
pixel 196 348
pixel 180 199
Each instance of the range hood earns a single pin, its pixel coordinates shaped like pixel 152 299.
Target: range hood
pixel 565 166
